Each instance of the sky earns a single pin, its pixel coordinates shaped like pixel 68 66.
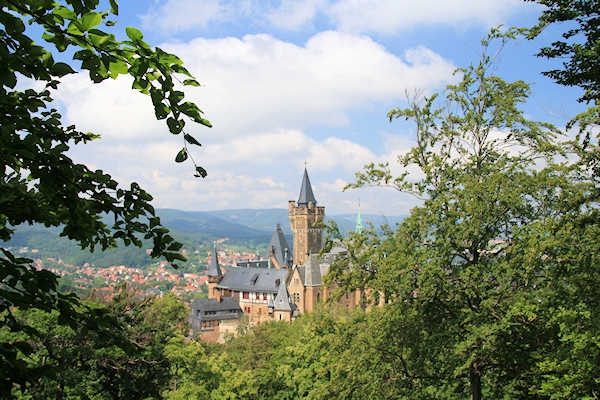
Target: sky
pixel 289 83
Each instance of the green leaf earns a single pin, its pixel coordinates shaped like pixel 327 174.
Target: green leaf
pixel 181 156
pixel 190 139
pixel 75 28
pixel 114 7
pixel 110 23
pixel 201 172
pixel 191 82
pixel 118 67
pixel 175 126
pixel 61 69
pixel 134 34
pixel 65 13
pixel 90 20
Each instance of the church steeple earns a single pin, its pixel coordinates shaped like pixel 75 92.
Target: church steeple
pixel 306 192
pixel 359 225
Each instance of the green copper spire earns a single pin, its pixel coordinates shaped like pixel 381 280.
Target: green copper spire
pixel 359 226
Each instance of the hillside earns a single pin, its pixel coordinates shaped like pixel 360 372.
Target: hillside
pixel 244 228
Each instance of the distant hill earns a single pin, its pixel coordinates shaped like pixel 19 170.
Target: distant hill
pixel 246 228
pixel 266 219
pixel 212 225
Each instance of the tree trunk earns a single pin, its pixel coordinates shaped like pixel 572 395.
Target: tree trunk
pixel 475 382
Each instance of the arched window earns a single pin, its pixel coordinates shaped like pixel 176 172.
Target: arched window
pixel 318 297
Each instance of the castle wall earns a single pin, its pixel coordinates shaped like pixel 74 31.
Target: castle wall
pixel 313 297
pixel 296 290
pixel 282 316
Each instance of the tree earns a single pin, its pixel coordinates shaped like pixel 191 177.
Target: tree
pixel 472 279
pixel 128 359
pixel 579 46
pixel 40 184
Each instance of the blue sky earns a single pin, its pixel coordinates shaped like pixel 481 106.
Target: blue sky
pixel 289 81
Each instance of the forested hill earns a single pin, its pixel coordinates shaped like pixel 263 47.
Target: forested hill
pixel 245 228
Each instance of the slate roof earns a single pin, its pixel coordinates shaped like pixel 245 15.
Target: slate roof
pixel 214 269
pixel 240 279
pixel 227 308
pixel 306 193
pixel 315 268
pixel 279 246
pixel 282 300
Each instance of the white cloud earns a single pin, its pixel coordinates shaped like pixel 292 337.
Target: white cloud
pixel 383 16
pixel 390 16
pixel 182 15
pixel 294 14
pixel 266 98
pixel 261 81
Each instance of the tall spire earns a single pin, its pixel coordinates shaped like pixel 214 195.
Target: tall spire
pixel 359 225
pixel 213 267
pixel 306 193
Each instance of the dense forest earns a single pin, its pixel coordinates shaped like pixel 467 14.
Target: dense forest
pixel 490 285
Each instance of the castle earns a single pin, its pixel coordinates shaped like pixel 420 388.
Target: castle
pixel 287 283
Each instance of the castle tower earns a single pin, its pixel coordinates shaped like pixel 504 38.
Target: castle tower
pixel 214 274
pixel 304 216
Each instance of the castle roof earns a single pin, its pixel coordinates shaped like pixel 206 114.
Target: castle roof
pixel 316 267
pixel 213 267
pixel 306 193
pixel 282 300
pixel 263 280
pixel 211 309
pixel 279 246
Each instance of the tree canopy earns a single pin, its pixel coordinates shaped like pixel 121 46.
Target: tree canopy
pixel 487 280
pixel 39 183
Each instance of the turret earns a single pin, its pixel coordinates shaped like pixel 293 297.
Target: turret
pixel 214 274
pixel 282 306
pixel 278 250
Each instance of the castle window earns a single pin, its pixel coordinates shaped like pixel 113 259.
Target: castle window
pixel 264 296
pixel 245 295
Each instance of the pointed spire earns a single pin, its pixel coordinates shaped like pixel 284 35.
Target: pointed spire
pixel 213 267
pixel 306 193
pixel 282 300
pixel 279 246
pixel 359 225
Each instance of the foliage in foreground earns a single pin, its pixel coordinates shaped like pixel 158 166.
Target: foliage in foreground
pixel 40 184
pixel 495 272
pixel 126 359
